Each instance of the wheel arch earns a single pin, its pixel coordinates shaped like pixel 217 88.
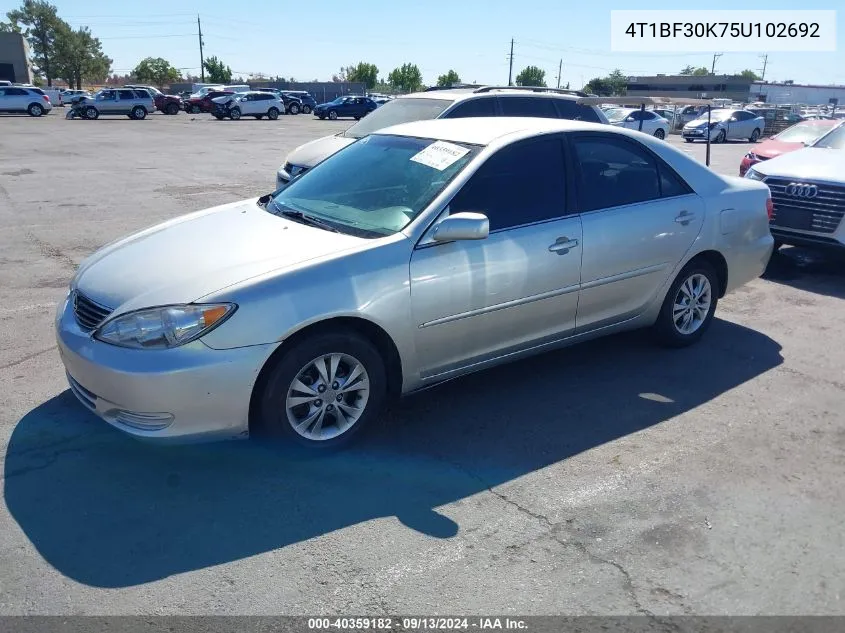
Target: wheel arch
pixel 374 333
pixel 719 264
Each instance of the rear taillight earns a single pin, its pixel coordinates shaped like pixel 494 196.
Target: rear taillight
pixel 770 207
pixel 46 98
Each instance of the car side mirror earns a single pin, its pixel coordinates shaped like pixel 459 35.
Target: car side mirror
pixel 733 119
pixel 629 119
pixel 461 226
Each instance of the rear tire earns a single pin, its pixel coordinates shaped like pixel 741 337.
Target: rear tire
pixel 659 133
pixel 688 140
pixel 306 109
pixel 754 135
pixel 299 363
pixel 683 319
pixel 294 108
pixel 35 110
pixel 273 114
pixel 139 113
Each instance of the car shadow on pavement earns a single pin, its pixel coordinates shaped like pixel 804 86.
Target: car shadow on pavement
pixel 108 511
pixel 820 272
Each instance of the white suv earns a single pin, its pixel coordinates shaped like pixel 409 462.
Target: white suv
pixel 510 101
pixel 22 99
pixel 253 103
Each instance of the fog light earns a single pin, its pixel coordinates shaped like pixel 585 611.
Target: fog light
pixel 142 421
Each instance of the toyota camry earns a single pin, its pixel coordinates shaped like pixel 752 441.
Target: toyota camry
pixel 413 256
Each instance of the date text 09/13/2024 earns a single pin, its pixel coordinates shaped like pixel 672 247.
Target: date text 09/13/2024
pixel 416 623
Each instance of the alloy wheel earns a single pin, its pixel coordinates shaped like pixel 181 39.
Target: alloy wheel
pixel 692 304
pixel 327 397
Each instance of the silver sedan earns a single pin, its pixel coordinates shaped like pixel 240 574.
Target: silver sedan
pixel 411 257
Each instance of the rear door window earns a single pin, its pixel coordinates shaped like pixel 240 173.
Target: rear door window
pixel 527 106
pixel 474 108
pixel 126 94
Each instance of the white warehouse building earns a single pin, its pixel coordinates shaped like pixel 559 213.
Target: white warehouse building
pixel 799 93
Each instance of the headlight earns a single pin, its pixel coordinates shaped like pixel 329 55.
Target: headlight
pixel 294 170
pixel 164 327
pixel 754 175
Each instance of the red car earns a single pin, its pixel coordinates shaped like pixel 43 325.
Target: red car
pixel 794 137
pixel 196 105
pixel 169 104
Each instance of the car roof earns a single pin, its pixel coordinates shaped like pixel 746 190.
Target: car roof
pixel 486 130
pixel 460 94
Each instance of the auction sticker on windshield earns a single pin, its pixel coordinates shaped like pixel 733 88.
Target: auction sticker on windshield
pixel 440 155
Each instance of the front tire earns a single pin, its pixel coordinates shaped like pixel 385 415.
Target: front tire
pixel 91 113
pixel 171 109
pixel 688 140
pixel 754 135
pixel 195 109
pixel 235 114
pixel 293 109
pixel 306 109
pixel 35 110
pixel 324 391
pixel 688 309
pixel 333 115
pixel 720 137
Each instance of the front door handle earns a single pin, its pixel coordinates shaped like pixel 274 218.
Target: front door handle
pixel 562 245
pixel 685 217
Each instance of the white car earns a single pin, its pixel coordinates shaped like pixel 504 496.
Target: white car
pixel 808 191
pixel 19 99
pixel 630 118
pixel 254 103
pixel 451 103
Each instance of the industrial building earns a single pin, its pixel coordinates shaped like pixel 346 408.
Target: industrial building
pixel 14 58
pixel 733 87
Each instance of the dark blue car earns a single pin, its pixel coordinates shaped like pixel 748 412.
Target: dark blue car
pixel 352 107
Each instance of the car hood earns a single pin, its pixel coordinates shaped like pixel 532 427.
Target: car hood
pixel 317 151
pixel 194 255
pixel 810 163
pixel 222 99
pixel 698 122
pixel 774 147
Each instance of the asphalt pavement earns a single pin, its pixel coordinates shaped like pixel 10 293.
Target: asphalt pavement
pixel 614 477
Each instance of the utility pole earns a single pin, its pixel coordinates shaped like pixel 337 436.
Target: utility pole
pixel 713 67
pixel 763 71
pixel 559 70
pixel 510 67
pixel 202 60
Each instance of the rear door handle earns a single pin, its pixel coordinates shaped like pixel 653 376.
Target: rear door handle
pixel 562 245
pixel 685 217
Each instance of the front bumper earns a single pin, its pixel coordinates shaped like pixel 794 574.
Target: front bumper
pixel 188 393
pixel 694 133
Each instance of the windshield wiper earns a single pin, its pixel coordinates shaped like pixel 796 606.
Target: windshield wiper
pixel 308 219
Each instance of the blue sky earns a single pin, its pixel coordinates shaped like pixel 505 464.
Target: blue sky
pixel 310 39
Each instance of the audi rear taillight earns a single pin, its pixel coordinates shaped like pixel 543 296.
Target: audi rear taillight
pixel 770 207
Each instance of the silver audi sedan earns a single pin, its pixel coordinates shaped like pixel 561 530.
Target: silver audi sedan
pixel 413 256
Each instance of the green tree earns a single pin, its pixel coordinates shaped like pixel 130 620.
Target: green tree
pixel 80 58
pixel 618 82
pixel 217 71
pixel 700 71
pixel 749 74
pixel 39 23
pixel 406 78
pixel 364 73
pixel 687 70
pixel 156 71
pixel 450 78
pixel 599 86
pixel 531 76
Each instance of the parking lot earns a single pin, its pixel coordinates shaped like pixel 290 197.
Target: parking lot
pixel 615 477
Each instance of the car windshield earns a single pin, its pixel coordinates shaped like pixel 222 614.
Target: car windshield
pixel 802 133
pixel 398 111
pixel 835 139
pixel 376 186
pixel 716 115
pixel 617 114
